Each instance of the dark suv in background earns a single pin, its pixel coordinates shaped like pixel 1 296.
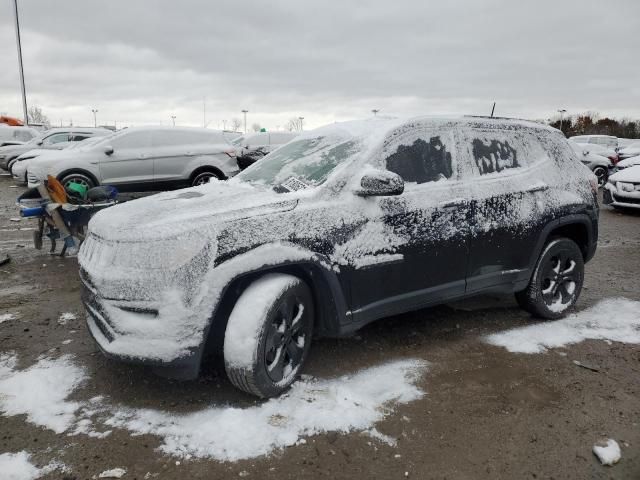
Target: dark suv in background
pixel 341 226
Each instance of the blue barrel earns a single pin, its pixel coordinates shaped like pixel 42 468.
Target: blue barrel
pixel 32 212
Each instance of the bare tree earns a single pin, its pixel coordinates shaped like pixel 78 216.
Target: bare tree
pixel 255 127
pixel 294 125
pixel 36 116
pixel 236 123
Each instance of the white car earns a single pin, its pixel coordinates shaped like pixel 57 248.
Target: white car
pixel 142 158
pixel 598 149
pixel 16 135
pixel 598 164
pixel 629 162
pixel 253 146
pixel 632 150
pixel 623 188
pixel 19 167
pixel 608 141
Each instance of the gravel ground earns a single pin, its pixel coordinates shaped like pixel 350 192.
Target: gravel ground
pixel 487 413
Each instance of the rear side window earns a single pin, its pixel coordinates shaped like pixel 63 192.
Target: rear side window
pixel 421 156
pixel 494 151
pixel 22 135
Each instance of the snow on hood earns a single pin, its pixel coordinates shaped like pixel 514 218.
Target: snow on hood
pixel 631 174
pixel 629 162
pixel 172 213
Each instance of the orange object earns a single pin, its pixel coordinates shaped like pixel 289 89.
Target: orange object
pixel 56 190
pixel 11 121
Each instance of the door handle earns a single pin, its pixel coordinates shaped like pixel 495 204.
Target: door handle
pixel 540 187
pixel 190 154
pixel 456 202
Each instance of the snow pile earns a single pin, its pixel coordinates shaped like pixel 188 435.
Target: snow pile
pixel 17 466
pixel 66 317
pixel 113 473
pixel 41 391
pixel 609 453
pixel 5 317
pixel 616 319
pixel 344 404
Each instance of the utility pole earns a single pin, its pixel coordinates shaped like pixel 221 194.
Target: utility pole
pixel 224 124
pixel 173 119
pixel 245 119
pixel 95 121
pixel 562 111
pixel 375 111
pixel 301 124
pixel 20 68
pixel 493 109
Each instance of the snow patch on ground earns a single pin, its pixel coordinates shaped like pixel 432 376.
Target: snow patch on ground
pixel 616 319
pixel 5 317
pixel 113 473
pixel 18 466
pixel 344 404
pixel 609 453
pixel 65 317
pixel 40 392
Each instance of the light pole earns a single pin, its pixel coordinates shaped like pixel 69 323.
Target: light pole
pixel 20 69
pixel 301 124
pixel 173 119
pixel 95 120
pixel 375 111
pixel 245 119
pixel 562 112
pixel 224 124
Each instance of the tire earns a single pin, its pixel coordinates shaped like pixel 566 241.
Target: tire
pixel 77 178
pixel 602 174
pixel 556 282
pixel 204 177
pixel 268 335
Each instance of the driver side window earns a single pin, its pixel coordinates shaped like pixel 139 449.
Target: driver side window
pixel 422 157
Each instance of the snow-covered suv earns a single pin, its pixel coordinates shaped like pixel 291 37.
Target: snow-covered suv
pixel 342 226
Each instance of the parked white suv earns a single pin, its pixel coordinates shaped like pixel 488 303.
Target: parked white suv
pixel 142 158
pixel 16 135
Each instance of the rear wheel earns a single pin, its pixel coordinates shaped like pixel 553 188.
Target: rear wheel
pixel 204 177
pixel 268 335
pixel 77 178
pixel 556 282
pixel 601 174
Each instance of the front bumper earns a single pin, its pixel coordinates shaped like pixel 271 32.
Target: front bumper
pixel 611 196
pixel 140 347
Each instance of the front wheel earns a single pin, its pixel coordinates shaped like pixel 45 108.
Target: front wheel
pixel 556 282
pixel 204 177
pixel 268 335
pixel 83 180
pixel 601 174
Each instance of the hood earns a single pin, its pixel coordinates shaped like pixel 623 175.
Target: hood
pixel 203 208
pixel 629 162
pixel 631 175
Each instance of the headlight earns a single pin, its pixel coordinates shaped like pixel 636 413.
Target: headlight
pixel 626 187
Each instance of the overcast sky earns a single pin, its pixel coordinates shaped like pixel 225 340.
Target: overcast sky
pixel 139 62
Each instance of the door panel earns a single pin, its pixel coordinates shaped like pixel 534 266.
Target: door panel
pixel 130 166
pixel 421 254
pixel 506 207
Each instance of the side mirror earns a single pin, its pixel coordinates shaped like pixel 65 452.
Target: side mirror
pixel 39 142
pixel 585 152
pixel 379 183
pixel 108 150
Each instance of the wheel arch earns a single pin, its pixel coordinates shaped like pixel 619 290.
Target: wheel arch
pixel 578 227
pixel 329 301
pixel 80 171
pixel 207 168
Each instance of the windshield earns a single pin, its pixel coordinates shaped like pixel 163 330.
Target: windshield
pixel 301 163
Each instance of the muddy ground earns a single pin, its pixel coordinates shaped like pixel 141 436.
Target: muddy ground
pixel 487 413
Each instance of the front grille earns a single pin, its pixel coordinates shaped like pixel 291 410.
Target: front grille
pixel 619 199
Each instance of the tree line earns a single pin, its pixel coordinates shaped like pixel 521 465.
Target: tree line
pixel 591 124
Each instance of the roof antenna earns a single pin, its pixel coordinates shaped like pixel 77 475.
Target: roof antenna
pixel 493 109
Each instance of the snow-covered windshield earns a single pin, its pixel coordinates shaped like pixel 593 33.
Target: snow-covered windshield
pixel 302 163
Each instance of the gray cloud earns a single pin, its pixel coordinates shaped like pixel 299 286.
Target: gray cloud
pixel 140 62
